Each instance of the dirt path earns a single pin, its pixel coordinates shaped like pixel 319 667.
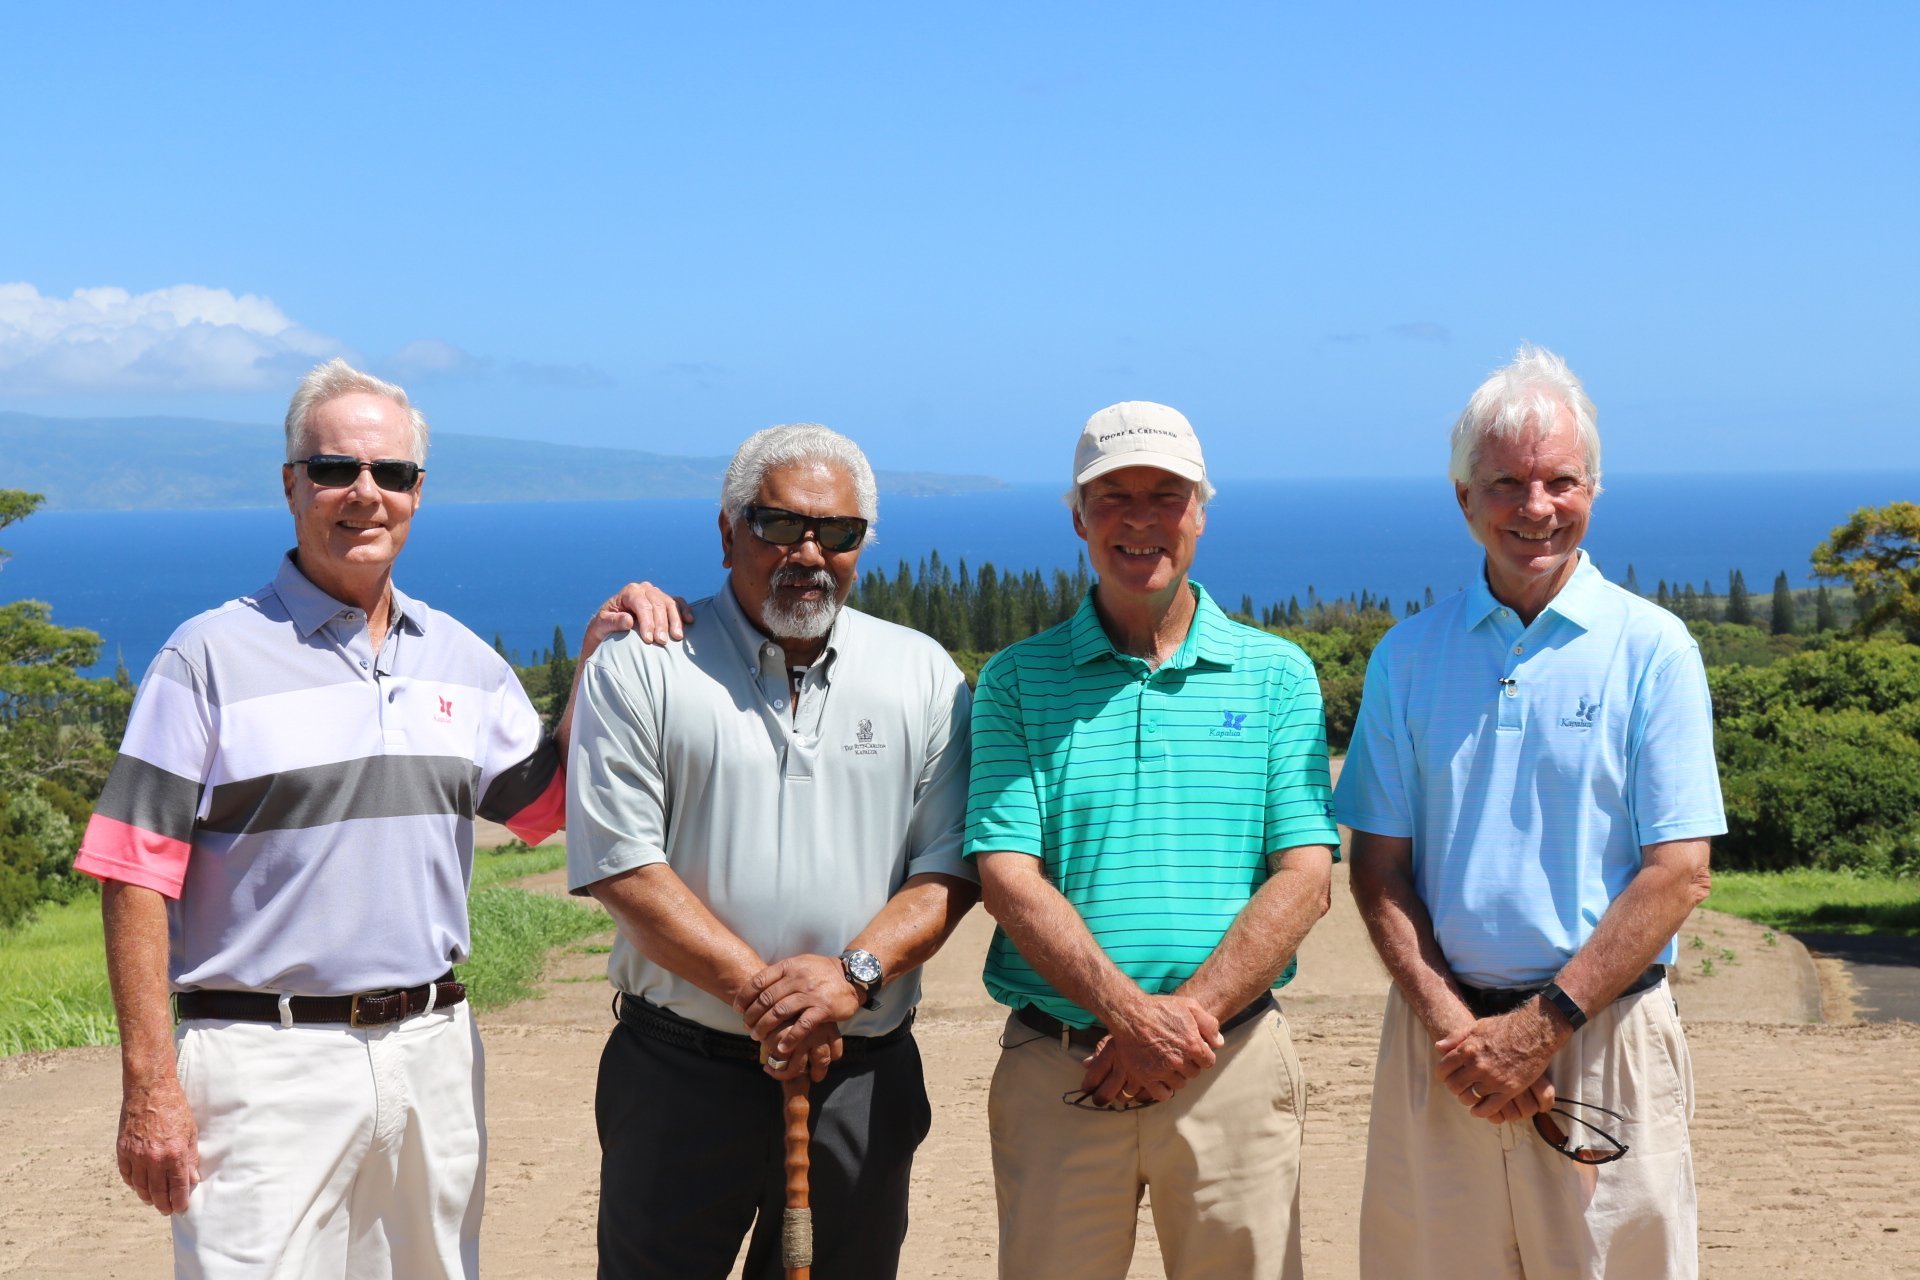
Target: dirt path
pixel 1807 1136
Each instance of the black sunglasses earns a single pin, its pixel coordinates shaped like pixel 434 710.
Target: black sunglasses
pixel 783 528
pixel 337 471
pixel 1555 1137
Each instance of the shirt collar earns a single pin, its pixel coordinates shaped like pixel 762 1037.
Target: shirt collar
pixel 311 608
pixel 1209 637
pixel 750 638
pixel 1575 601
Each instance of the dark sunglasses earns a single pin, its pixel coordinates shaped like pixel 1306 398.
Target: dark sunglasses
pixel 1554 1136
pixel 337 471
pixel 783 528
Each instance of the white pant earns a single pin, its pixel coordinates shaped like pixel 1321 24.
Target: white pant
pixel 348 1153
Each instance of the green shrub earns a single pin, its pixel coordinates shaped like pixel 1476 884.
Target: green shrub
pixel 36 854
pixel 1808 788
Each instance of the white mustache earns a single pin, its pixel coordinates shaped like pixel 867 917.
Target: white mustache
pixel 818 578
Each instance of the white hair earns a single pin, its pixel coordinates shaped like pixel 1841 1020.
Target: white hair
pixel 1523 396
pixel 337 378
pixel 765 452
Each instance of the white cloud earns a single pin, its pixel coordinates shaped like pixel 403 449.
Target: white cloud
pixel 186 337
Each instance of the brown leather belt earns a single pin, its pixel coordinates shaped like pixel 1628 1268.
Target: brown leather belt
pixel 366 1009
pixel 1491 1002
pixel 1087 1037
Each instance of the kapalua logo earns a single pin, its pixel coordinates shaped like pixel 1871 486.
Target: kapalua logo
pixel 445 714
pixel 1232 725
pixel 864 731
pixel 1583 718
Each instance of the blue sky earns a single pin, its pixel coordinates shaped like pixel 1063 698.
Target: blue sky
pixel 955 232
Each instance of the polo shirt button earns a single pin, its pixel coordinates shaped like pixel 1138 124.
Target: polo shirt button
pixel 363 664
pixel 753 671
pixel 780 704
pixel 1519 648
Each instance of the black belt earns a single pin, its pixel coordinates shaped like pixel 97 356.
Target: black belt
pixel 1491 1002
pixel 1048 1025
pixel 668 1027
pixel 367 1009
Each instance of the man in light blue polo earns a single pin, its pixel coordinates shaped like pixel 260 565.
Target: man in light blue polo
pixel 1531 788
pixel 1150 813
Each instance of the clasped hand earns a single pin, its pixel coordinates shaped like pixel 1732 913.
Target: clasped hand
pixel 795 1009
pixel 1497 1066
pixel 1155 1051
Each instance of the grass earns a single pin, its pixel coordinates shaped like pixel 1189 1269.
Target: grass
pixel 53 980
pixel 1820 901
pixel 53 974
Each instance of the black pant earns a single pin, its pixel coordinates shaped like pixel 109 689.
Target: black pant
pixel 691 1153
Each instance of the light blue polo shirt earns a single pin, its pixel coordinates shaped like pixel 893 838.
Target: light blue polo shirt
pixel 1530 764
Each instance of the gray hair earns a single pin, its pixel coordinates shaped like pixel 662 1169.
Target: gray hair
pixel 767 451
pixel 1524 393
pixel 337 378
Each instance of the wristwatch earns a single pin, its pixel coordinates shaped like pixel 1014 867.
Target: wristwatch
pixel 862 969
pixel 1576 1016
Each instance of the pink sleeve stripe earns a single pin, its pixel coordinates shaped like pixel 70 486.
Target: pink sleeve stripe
pixel 545 815
pixel 115 850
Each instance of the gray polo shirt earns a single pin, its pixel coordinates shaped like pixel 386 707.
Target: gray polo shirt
pixel 793 824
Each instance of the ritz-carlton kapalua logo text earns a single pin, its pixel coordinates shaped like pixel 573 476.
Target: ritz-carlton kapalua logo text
pixel 444 714
pixel 863 743
pixel 1583 718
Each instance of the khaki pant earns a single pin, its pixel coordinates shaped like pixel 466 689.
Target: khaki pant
pixel 1222 1156
pixel 1449 1195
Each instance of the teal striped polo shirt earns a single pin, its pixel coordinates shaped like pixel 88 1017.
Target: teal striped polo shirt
pixel 1152 796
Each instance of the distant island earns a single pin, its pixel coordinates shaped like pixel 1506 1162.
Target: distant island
pixel 123 464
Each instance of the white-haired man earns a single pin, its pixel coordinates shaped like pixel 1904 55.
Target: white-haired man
pixel 1532 789
pixel 285 842
pixel 1150 813
pixel 772 810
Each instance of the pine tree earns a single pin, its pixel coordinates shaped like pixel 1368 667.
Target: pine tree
pixel 1739 604
pixel 1825 616
pixel 559 670
pixel 1783 619
pixel 1662 598
pixel 1633 580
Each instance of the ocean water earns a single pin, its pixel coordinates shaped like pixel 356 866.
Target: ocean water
pixel 518 569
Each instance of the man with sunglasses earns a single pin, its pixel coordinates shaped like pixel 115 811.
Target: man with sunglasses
pixel 285 843
pixel 1150 813
pixel 772 810
pixel 1532 789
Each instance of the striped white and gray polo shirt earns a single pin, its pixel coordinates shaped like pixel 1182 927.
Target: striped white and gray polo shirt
pixel 307 805
pixel 794 824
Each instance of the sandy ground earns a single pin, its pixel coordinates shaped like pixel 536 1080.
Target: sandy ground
pixel 1807 1135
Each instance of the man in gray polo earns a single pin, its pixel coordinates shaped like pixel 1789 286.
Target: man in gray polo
pixel 772 809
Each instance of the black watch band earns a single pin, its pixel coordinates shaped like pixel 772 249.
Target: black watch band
pixel 1576 1016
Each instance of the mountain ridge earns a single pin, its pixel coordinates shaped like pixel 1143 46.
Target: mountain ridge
pixel 168 463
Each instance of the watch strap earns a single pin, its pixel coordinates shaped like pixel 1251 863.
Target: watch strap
pixel 1576 1016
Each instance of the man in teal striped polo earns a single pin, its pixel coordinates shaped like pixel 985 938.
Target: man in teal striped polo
pixel 1150 813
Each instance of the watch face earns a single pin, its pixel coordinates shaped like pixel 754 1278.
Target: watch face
pixel 863 965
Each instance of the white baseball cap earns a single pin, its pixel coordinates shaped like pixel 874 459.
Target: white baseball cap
pixel 1138 433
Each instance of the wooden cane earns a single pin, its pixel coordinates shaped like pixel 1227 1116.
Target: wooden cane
pixel 796 1222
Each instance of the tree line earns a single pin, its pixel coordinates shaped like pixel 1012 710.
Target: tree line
pixel 1817 697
